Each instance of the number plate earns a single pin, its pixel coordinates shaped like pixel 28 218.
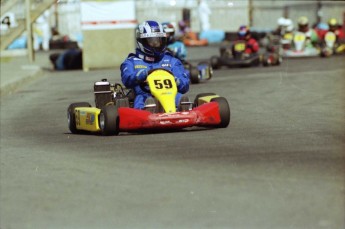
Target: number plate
pixel 240 47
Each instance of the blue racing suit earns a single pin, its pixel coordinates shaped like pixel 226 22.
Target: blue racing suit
pixel 138 64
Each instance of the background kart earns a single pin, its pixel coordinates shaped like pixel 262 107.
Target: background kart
pixel 298 47
pixel 331 46
pixel 202 72
pixel 237 58
pixel 114 112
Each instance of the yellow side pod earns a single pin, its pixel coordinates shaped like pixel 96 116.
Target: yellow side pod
pixel 206 99
pixel 86 118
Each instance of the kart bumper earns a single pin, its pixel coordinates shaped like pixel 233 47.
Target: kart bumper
pixel 133 119
pixel 305 53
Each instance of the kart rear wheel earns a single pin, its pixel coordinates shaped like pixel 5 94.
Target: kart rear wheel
pixel 71 116
pixel 215 62
pixel 224 111
pixel 194 75
pixel 256 61
pixel 109 120
pixel 196 100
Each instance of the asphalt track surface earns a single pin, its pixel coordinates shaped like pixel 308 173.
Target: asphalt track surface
pixel 280 163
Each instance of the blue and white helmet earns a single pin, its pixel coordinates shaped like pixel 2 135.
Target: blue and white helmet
pixel 151 38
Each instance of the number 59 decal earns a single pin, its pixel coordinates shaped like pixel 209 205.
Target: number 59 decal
pixel 159 84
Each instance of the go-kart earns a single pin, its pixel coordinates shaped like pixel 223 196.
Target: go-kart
pixel 203 71
pixel 331 46
pixel 299 47
pixel 114 112
pixel 274 49
pixel 236 57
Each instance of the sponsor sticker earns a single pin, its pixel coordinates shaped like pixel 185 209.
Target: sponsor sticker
pixel 165 122
pixel 166 93
pixel 140 66
pixel 158 34
pixel 166 65
pixel 90 119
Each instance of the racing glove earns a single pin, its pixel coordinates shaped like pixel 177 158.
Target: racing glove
pixel 141 75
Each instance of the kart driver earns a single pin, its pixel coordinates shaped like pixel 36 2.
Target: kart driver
pixel 334 27
pixel 177 47
pixel 339 46
pixel 151 54
pixel 244 34
pixel 303 27
pixel 285 25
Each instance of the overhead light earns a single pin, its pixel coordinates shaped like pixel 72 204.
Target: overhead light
pixel 230 4
pixel 172 2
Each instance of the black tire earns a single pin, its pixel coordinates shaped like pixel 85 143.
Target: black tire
pixel 215 62
pixel 194 75
pixel 224 111
pixel 109 120
pixel 71 116
pixel 256 62
pixel 201 95
pixel 210 71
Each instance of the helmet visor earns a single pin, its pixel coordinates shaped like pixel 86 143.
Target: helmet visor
pixel 242 33
pixel 156 43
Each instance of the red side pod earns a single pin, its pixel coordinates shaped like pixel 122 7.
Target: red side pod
pixel 132 119
pixel 208 114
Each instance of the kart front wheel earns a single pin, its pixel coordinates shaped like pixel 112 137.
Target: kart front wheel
pixel 224 111
pixel 109 120
pixel 71 116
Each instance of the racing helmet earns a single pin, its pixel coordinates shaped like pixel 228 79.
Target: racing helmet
pixel 333 24
pixel 243 31
pixel 285 24
pixel 303 24
pixel 288 25
pixel 169 29
pixel 151 38
pixel 281 21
